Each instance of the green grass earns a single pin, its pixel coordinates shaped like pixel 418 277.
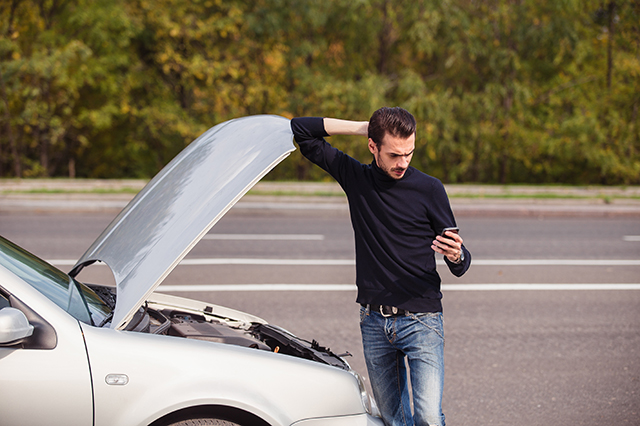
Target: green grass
pixel 74 191
pixel 607 198
pixel 296 193
pixel 545 196
pixel 541 196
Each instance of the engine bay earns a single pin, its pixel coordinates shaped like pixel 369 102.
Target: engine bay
pixel 158 319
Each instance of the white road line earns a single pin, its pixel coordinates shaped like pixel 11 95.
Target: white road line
pixel 291 206
pixel 61 262
pixel 352 287
pixel 544 287
pixel 351 262
pixel 265 237
pixel 288 262
pixel 631 238
pixel 257 287
pixel 555 262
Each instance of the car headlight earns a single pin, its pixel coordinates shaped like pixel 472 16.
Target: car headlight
pixel 368 402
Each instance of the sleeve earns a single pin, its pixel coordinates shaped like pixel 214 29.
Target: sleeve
pixel 458 269
pixel 441 216
pixel 307 128
pixel 309 134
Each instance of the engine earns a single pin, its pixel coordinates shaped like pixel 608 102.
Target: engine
pixel 190 325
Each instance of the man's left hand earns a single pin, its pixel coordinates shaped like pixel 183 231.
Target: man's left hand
pixel 450 245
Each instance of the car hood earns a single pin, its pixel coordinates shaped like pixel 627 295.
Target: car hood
pixel 166 219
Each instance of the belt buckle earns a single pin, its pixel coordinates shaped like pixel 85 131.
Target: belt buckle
pixel 394 311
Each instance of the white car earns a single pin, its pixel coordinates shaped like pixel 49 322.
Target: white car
pixel 88 354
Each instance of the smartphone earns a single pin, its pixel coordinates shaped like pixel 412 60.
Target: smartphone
pixel 452 229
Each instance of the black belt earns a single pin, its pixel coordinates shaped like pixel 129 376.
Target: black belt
pixel 386 311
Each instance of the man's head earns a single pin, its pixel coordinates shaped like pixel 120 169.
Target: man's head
pixel 392 136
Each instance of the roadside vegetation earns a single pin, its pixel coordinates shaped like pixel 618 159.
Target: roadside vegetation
pixel 607 194
pixel 504 91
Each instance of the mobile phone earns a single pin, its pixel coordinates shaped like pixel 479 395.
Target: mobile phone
pixel 452 229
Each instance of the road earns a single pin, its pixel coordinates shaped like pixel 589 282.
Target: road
pixel 543 329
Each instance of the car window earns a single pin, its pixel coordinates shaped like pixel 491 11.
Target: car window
pixel 72 296
pixel 4 302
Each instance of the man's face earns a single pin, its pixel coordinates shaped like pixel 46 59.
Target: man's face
pixel 394 154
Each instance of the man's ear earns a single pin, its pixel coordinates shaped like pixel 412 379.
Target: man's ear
pixel 373 147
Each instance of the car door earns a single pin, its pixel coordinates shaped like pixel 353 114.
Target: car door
pixel 46 379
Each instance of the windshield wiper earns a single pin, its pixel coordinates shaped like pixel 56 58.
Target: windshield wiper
pixel 106 319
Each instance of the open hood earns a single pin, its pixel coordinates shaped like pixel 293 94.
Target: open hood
pixel 166 219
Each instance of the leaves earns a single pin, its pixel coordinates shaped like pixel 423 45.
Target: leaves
pixel 504 91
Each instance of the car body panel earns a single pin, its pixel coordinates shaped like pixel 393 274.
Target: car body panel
pixel 182 202
pixel 186 304
pixel 167 373
pixel 39 382
pixel 357 420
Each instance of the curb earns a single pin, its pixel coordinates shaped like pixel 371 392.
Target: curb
pixel 112 204
pixel 110 196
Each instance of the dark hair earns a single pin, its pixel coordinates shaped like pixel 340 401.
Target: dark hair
pixel 395 121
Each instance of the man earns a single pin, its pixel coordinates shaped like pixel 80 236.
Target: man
pixel 398 215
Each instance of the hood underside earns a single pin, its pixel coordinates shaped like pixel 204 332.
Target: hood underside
pixel 166 219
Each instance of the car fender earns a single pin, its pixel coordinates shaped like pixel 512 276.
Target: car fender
pixel 164 374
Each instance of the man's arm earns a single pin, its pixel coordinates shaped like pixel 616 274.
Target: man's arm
pixel 309 133
pixel 335 126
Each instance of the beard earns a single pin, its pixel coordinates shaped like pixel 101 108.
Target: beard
pixel 393 172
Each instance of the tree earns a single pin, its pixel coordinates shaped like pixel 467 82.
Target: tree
pixel 504 90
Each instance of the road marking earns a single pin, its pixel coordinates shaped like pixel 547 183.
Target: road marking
pixel 257 287
pixel 291 206
pixel 351 287
pixel 262 261
pixel 61 262
pixel 555 262
pixel 631 238
pixel 265 237
pixel 351 262
pixel 543 287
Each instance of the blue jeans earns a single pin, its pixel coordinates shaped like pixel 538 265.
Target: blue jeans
pixel 387 342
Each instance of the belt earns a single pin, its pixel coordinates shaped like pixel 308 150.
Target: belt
pixel 385 311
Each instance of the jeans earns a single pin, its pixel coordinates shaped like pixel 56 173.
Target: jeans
pixel 387 342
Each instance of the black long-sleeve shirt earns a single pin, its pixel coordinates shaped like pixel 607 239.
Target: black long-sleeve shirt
pixel 394 223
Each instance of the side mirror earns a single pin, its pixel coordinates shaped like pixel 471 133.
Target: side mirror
pixel 14 327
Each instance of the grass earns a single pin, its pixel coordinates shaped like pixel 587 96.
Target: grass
pixel 510 192
pixel 546 196
pixel 541 196
pixel 74 191
pixel 537 196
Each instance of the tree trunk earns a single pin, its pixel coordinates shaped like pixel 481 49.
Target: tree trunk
pixel 44 152
pixel 72 168
pixel 13 143
pixel 611 13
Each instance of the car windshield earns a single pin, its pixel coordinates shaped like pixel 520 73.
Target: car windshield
pixel 74 297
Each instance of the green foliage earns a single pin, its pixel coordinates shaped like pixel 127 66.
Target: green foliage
pixel 504 91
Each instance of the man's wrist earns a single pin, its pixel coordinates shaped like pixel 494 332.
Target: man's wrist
pixel 459 259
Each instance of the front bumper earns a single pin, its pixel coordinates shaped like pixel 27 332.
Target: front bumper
pixel 356 420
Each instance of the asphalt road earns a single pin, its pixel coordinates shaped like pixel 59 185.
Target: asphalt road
pixel 543 329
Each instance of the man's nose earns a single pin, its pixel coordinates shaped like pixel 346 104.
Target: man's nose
pixel 404 161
